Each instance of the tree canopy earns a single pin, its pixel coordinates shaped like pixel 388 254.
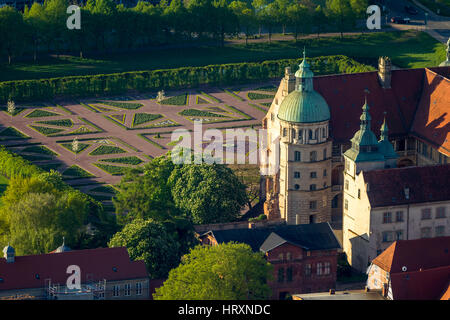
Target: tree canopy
pixel 230 271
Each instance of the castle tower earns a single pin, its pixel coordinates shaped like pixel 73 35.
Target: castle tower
pixel 385 72
pixel 305 153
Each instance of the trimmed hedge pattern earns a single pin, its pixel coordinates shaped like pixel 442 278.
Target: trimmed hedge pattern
pixel 119 83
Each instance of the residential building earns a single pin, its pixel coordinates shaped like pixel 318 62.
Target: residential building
pixel 413 270
pixel 105 274
pixel 304 256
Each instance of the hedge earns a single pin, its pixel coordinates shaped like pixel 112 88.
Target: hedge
pixel 119 83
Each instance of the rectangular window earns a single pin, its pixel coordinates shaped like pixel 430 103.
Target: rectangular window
pixel 116 290
pixel 313 204
pixel 346 184
pixel 359 193
pixel 387 236
pixel 138 288
pixel 324 172
pixel 426 214
pixel 297 175
pixel 387 217
pixel 312 187
pixel 346 204
pixel 127 289
pixel 308 270
pixel 281 275
pixel 425 232
pixel 324 154
pixel 313 175
pixel 327 268
pixel 319 268
pixel 399 235
pixel 440 212
pixel 440 231
pixel 297 156
pixel 289 274
pixel 399 216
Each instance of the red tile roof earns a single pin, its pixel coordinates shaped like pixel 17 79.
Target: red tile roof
pixel 446 295
pixel 420 285
pixel 429 253
pixel 32 271
pixel 386 187
pixel 417 103
pixel 432 120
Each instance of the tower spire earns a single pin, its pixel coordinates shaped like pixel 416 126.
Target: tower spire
pixel 384 129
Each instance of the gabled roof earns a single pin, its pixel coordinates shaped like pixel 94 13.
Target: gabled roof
pixel 103 263
pixel 417 254
pixel 317 236
pixel 387 186
pixel 432 120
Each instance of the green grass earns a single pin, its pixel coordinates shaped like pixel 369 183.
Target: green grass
pixel 12 133
pixel 46 131
pixel 179 100
pixel 140 118
pixel 101 150
pixel 407 49
pixel 122 105
pixel 259 96
pixel 81 146
pixel 59 123
pixel 113 170
pixel 76 172
pixel 199 113
pixel 40 150
pixel 133 160
pixel 38 113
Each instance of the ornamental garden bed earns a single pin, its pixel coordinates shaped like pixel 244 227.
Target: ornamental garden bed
pixel 122 105
pixel 59 123
pixel 81 146
pixel 46 131
pixel 39 113
pixel 112 170
pixel 132 160
pixel 11 133
pixel 76 172
pixel 39 149
pixel 179 100
pixel 141 118
pixel 259 96
pixel 102 150
pixel 200 113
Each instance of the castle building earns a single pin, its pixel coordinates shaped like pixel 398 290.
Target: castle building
pixel 311 125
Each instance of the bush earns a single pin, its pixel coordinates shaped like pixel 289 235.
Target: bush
pixel 119 83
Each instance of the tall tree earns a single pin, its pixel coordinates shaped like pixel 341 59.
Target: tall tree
pixel 224 272
pixel 246 17
pixel 341 12
pixel 12 32
pixel 299 17
pixel 35 19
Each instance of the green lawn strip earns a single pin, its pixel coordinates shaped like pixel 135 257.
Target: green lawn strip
pixel 258 107
pixel 200 100
pixel 113 120
pixel 179 100
pixel 141 118
pixel 119 117
pixel 133 160
pixel 81 146
pixel 210 97
pixel 50 166
pixel 200 113
pixel 259 96
pixel 269 88
pixel 113 170
pixel 122 105
pixel 39 113
pixel 234 95
pixel 104 189
pixel 143 136
pixel 59 122
pixel 87 106
pixel 46 131
pixel 102 150
pixel 75 171
pixel 64 109
pixel 12 133
pixel 39 149
pixel 239 112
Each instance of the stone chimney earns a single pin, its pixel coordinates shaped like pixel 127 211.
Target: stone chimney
pixel 289 81
pixel 385 72
pixel 9 254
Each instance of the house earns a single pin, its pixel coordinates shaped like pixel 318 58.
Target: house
pixel 385 205
pixel 105 273
pixel 304 256
pixel 413 270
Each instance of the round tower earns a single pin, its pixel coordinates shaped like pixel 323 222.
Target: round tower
pixel 305 153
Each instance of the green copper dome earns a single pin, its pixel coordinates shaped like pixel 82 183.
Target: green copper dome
pixel 304 104
pixel 304 107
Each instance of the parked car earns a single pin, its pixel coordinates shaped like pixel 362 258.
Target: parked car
pixel 400 20
pixel 411 10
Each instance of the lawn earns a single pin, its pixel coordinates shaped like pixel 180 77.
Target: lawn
pixel 407 49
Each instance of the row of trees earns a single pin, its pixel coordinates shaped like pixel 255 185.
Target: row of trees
pixel 106 26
